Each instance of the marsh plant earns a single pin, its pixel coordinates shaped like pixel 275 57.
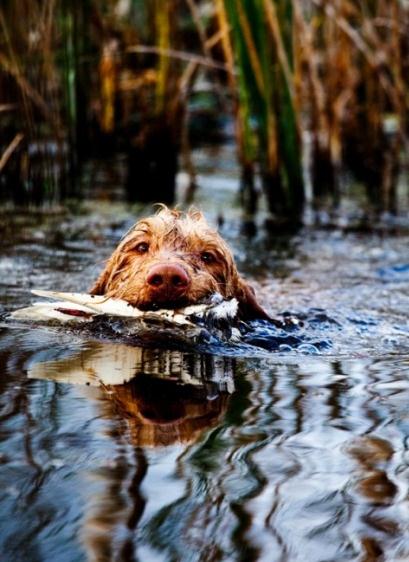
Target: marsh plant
pixel 318 90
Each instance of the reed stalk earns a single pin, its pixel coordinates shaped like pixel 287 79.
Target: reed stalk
pixel 263 48
pixel 331 71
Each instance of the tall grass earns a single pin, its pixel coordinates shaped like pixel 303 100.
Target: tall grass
pixel 318 90
pixel 38 77
pixel 354 73
pixel 334 71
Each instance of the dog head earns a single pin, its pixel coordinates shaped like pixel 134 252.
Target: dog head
pixel 171 260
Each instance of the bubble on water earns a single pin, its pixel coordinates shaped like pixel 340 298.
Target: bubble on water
pixel 284 348
pixel 308 349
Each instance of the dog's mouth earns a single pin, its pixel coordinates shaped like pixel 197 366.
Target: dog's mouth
pixel 169 305
pixel 176 304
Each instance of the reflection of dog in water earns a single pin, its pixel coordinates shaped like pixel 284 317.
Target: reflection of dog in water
pixel 161 412
pixel 146 411
pixel 149 411
pixel 171 260
pixel 151 398
pixel 166 396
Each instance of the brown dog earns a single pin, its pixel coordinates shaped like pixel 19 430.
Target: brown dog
pixel 172 260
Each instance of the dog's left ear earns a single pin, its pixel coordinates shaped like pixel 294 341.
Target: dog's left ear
pixel 249 308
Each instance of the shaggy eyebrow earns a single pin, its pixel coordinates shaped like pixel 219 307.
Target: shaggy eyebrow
pixel 142 228
pixel 207 246
pixel 220 255
pixel 130 239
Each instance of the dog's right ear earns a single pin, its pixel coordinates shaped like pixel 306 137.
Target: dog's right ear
pixel 114 263
pixel 100 285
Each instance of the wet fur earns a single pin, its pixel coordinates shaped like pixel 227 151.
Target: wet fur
pixel 182 239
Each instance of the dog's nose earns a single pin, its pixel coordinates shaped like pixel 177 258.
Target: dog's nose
pixel 169 278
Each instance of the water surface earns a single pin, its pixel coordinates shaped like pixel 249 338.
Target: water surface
pixel 113 452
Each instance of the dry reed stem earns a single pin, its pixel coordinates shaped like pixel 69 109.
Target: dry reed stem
pixel 273 23
pixel 25 86
pixel 14 64
pixel 317 87
pixel 9 150
pixel 5 107
pixel 240 126
pixel 180 55
pixel 184 87
pixel 215 38
pixel 201 31
pixel 218 85
pixel 362 46
pixel 224 30
pixel 163 15
pixel 388 50
pixel 251 48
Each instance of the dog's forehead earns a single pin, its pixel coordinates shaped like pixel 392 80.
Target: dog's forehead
pixel 171 229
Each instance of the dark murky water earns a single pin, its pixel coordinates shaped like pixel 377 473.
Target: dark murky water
pixel 113 452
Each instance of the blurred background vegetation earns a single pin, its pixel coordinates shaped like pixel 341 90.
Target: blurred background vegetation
pixel 316 92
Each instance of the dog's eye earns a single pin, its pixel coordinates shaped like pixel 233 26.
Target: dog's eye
pixel 142 247
pixel 207 257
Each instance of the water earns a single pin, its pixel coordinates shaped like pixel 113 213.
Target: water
pixel 269 453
